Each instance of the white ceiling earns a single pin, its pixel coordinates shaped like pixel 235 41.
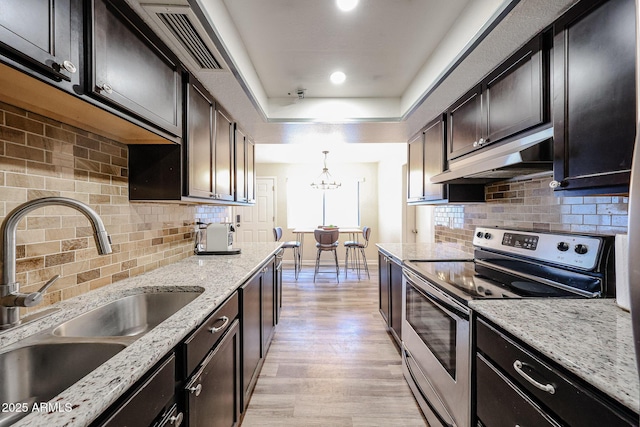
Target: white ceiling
pixel 380 45
pixel 405 61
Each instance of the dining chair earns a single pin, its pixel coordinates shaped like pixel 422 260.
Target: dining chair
pixel 326 241
pixel 353 247
pixel 291 244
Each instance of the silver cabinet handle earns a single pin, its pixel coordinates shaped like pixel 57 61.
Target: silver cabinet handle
pixel 177 420
pixel 225 320
pixel 517 365
pixel 106 87
pixel 197 389
pixel 69 66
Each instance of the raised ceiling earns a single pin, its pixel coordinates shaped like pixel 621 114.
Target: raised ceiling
pixel 405 61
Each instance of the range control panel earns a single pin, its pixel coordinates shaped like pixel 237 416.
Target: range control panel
pixel 571 250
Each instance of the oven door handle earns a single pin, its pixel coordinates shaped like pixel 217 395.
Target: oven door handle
pixel 537 279
pixel 451 422
pixel 443 301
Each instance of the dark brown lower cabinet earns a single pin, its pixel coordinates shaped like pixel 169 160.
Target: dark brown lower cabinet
pixel 147 402
pixel 214 390
pixel 515 385
pixel 258 298
pixel 390 295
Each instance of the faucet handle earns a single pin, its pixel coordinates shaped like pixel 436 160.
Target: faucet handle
pixel 35 298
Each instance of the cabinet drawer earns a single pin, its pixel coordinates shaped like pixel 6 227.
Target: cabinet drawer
pixel 148 401
pixel 500 403
pixel 203 339
pixel 564 394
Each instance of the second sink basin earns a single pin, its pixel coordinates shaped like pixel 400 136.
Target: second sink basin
pixel 129 316
pixel 36 373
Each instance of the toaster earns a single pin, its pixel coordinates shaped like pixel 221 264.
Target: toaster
pixel 214 238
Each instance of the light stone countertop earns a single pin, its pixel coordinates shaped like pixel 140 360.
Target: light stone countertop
pixel 424 251
pixel 591 338
pixel 217 276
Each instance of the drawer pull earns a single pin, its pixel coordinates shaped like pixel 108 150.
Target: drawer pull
pixel 225 321
pixel 517 365
pixel 177 420
pixel 197 389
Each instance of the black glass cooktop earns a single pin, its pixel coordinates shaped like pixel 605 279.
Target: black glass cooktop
pixel 460 279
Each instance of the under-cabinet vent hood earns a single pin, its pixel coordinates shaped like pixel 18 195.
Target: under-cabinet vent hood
pixel 528 153
pixel 182 29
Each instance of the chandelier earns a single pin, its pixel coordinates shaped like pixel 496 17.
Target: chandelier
pixel 325 181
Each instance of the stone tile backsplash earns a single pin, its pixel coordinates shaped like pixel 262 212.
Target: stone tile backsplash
pixel 40 157
pixel 530 203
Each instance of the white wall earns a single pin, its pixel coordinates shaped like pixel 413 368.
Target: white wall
pixel 390 200
pixel 369 205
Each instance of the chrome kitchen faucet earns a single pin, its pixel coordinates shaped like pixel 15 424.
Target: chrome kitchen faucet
pixel 10 297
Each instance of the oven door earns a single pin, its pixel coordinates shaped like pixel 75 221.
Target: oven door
pixel 436 354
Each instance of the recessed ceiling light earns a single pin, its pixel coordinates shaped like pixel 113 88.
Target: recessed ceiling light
pixel 346 5
pixel 338 77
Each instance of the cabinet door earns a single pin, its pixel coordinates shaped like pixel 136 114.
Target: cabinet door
pixel 214 391
pixel 251 334
pixel 465 123
pixel 434 162
pixel 514 93
pixel 200 110
pixel 130 71
pixel 268 307
pixel 415 166
pixel 223 187
pixel 383 287
pixel 251 168
pixel 45 34
pixel 240 163
pixel 395 287
pixel 594 96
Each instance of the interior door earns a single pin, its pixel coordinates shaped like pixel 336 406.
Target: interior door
pixel 256 222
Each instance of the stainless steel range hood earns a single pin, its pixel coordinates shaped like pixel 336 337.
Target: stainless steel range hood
pixel 528 153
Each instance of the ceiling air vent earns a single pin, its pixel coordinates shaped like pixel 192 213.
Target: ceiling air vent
pixel 186 33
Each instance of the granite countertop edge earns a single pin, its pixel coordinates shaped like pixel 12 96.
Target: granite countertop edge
pixel 216 276
pixel 589 338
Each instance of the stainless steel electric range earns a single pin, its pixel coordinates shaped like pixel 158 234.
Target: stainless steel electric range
pixel 508 263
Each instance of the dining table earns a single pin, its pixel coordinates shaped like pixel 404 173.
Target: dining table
pixel 300 232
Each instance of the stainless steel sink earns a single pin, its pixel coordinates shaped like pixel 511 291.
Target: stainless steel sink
pixel 131 316
pixel 36 373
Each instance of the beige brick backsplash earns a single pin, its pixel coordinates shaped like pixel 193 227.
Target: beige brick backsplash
pixel 530 203
pixel 41 157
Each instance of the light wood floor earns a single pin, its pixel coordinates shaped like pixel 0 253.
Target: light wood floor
pixel 331 362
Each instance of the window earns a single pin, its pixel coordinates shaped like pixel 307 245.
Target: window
pixel 308 207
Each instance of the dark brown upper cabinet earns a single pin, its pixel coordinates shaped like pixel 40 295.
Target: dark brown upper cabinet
pixel 241 164
pixel 245 167
pixel 205 167
pixel 131 69
pixel 200 118
pixel 224 160
pixel 426 158
pixel 512 98
pixel 594 98
pixel 45 36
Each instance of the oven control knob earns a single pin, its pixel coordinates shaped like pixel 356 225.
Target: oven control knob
pixel 480 234
pixel 581 249
pixel 563 246
pixel 488 236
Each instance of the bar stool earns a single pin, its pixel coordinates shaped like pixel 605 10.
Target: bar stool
pixel 353 247
pixel 292 244
pixel 327 240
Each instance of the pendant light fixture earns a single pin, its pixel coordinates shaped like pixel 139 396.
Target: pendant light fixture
pixel 325 181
